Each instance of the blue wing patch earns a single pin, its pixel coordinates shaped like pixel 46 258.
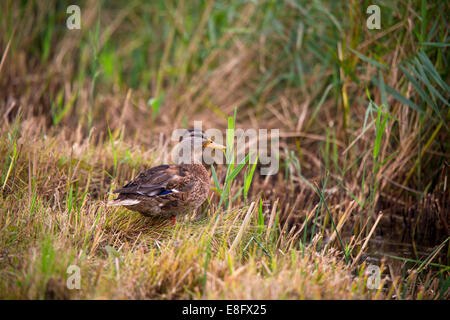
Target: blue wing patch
pixel 164 192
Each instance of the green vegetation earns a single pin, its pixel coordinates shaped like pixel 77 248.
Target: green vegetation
pixel 364 160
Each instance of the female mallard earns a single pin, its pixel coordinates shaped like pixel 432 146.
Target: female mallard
pixel 171 190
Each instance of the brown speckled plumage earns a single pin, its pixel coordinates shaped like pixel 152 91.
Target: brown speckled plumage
pixel 191 182
pixel 168 190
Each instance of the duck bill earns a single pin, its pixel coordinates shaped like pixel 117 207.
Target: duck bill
pixel 214 145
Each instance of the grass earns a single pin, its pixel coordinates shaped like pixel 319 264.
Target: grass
pixel 364 152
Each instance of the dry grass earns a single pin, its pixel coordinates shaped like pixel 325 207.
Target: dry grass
pixel 363 165
pixel 151 259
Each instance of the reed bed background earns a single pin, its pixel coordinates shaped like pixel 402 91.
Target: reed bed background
pixel 364 160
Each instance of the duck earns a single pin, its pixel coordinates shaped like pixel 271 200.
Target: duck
pixel 171 190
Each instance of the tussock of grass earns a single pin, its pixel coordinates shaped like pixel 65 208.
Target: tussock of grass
pixel 123 255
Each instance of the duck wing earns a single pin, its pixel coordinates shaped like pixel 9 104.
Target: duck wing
pixel 157 181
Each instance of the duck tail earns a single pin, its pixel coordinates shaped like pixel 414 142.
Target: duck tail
pixel 122 202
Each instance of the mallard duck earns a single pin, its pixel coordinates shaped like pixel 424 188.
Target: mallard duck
pixel 171 190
